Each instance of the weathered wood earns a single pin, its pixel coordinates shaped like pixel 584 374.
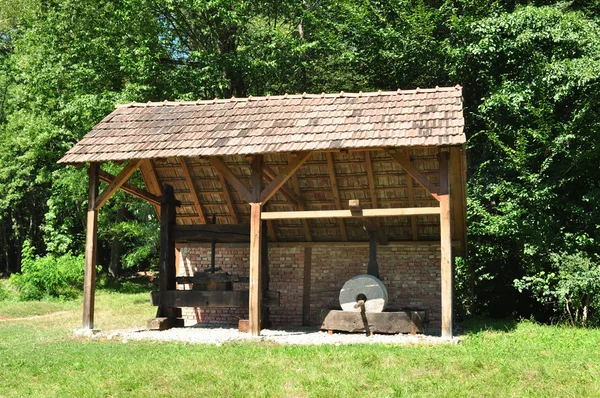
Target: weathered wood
pixel 167 269
pixel 200 277
pixel 265 313
pixel 151 181
pixel 336 193
pixel 91 239
pixel 306 286
pixel 270 175
pixel 235 182
pixel 213 298
pixel 411 170
pixel 130 188
pixel 192 188
pixel 446 248
pixel 256 236
pixel 377 322
pixel 164 323
pixel 385 212
pixel 222 233
pixel 227 195
pixel 283 176
pixel 457 195
pixel 117 182
pixel 302 206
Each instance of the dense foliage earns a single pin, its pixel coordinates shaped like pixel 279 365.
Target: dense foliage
pixel 530 71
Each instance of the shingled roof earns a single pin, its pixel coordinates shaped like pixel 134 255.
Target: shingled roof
pixel 275 124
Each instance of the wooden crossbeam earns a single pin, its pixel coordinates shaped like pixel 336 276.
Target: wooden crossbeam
pixel 405 162
pixel 192 188
pixel 227 195
pixel 151 181
pixel 235 182
pixel 386 212
pixel 116 183
pixel 130 188
pixel 283 176
pixel 336 193
pixel 270 175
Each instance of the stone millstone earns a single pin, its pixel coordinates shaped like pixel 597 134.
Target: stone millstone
pixel 367 286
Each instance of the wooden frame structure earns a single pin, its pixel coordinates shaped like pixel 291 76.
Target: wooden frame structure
pixel 399 193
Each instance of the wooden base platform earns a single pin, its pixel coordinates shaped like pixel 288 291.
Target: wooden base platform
pixel 376 322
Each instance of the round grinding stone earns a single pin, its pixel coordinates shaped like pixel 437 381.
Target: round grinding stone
pixel 362 286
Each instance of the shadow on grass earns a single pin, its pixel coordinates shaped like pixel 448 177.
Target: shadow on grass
pixel 476 325
pixel 127 285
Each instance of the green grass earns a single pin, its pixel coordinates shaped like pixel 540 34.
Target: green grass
pixel 40 356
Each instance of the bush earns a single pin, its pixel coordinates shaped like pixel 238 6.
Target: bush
pixel 4 292
pixel 573 289
pixel 49 276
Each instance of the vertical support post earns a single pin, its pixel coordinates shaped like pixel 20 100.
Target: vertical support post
pixel 372 266
pixel 265 313
pixel 306 286
pixel 446 247
pixel 167 268
pixel 256 237
pixel 91 238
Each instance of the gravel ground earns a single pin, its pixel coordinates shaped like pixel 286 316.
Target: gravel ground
pixel 218 335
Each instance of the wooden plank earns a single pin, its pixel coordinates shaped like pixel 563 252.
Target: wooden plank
pixel 192 188
pixel 255 268
pixel 285 175
pixel 213 298
pixel 411 202
pixel 231 178
pixel 222 233
pixel 306 286
pixel 377 322
pixel 91 240
pixel 167 269
pixel 296 185
pixel 270 175
pixel 384 212
pixel 336 193
pixel 446 248
pixel 130 188
pixel 227 195
pixel 410 169
pixel 151 181
pixel 119 180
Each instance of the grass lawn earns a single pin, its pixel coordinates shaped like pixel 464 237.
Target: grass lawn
pixel 40 356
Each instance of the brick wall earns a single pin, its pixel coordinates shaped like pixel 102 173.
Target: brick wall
pixel 411 274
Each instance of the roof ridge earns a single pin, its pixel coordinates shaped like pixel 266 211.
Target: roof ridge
pixel 250 98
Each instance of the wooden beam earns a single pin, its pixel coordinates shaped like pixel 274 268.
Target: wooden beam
pixel 192 188
pixel 371 179
pixel 255 268
pixel 130 188
pixel 370 225
pixel 167 277
pixel 336 194
pixel 227 195
pixel 270 175
pixel 91 240
pixel 265 312
pixel 296 185
pixel 222 233
pixel 117 182
pixel 231 178
pixel 411 202
pixel 410 169
pixel 285 175
pixel 386 212
pixel 151 181
pixel 306 286
pixel 446 248
pixel 457 196
pixel 213 299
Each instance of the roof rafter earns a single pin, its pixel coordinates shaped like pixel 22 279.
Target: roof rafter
pixel 336 193
pixel 192 188
pixel 116 183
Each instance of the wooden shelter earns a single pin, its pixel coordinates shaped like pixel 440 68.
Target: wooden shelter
pixel 307 168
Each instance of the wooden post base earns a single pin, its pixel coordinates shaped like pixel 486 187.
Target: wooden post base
pixel 164 323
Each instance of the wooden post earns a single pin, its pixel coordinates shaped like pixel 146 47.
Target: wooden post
pixel 306 286
pixel 255 248
pixel 91 237
pixel 446 247
pixel 265 313
pixel 372 266
pixel 167 268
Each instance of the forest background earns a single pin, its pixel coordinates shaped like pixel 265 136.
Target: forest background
pixel 530 72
